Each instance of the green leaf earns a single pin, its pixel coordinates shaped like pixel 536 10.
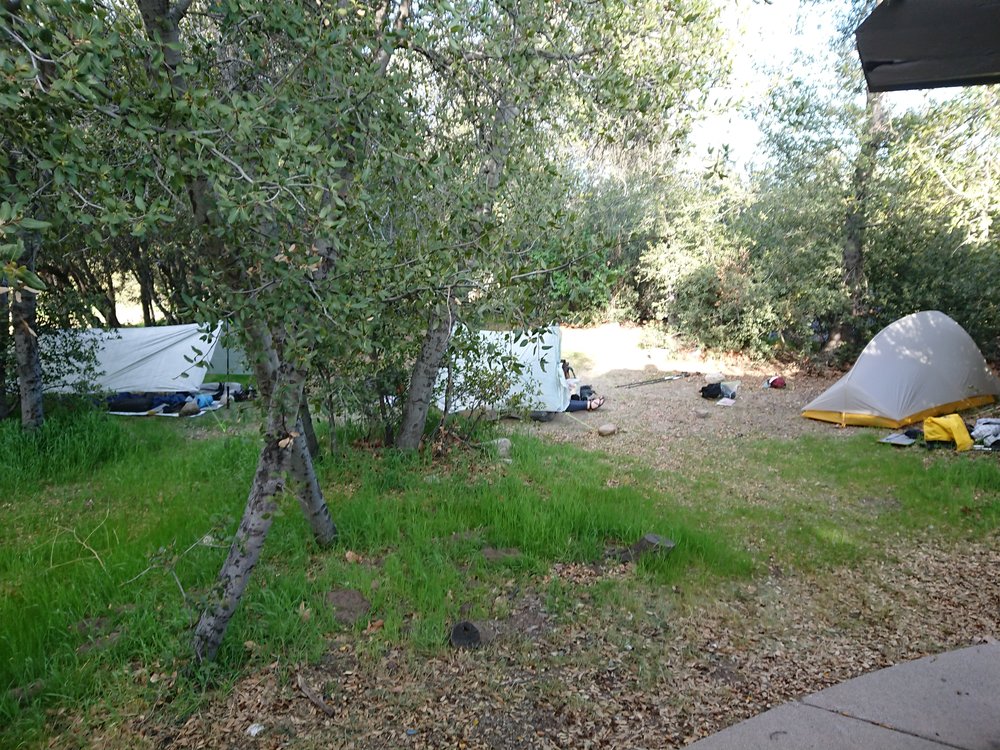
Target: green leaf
pixel 34 224
pixel 30 279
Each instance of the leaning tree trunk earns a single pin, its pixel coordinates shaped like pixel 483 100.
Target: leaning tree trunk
pixel 264 351
pixel 308 430
pixel 308 491
pixel 425 369
pixel 282 384
pixel 423 377
pixel 268 482
pixel 4 347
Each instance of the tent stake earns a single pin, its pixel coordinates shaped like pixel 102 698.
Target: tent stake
pixel 664 379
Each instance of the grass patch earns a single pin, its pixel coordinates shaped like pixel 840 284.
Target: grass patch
pixel 818 502
pixel 221 377
pixel 109 520
pixel 426 526
pixel 101 564
pixel 68 445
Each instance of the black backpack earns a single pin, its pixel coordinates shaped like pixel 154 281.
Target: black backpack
pixel 712 390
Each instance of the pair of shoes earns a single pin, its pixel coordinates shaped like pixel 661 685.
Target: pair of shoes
pixel 595 403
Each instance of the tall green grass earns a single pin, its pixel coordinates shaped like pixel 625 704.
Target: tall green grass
pixel 67 445
pixel 426 526
pixel 93 503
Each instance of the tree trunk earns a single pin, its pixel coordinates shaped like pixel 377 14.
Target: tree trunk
pixel 110 309
pixel 263 353
pixel 263 349
pixel 144 276
pixel 29 363
pixel 857 211
pixel 308 430
pixel 423 378
pixel 308 491
pixel 425 370
pixel 331 418
pixel 245 551
pixel 4 347
pixel 280 384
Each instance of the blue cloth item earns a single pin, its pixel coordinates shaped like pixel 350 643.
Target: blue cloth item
pixel 203 400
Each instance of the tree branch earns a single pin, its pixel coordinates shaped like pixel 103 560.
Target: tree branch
pixel 179 11
pixel 232 163
pixel 385 55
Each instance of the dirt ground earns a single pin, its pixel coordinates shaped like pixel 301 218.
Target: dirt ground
pixel 652 419
pixel 600 677
pixel 647 671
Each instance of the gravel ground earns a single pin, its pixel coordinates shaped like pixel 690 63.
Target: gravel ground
pixel 651 417
pixel 646 668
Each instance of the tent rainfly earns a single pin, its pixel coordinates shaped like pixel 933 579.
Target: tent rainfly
pixel 160 359
pixel 920 366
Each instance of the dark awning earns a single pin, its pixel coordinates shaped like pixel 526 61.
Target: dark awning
pixel 922 44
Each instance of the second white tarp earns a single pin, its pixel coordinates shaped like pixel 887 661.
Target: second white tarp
pixel 539 386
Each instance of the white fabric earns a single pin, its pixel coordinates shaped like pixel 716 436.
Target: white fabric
pixel 540 386
pixel 160 359
pixel 920 362
pixel 986 430
pixel 229 361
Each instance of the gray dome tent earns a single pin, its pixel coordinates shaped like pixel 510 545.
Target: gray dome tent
pixel 920 366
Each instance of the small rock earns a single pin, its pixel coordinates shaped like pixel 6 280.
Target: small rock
pixel 649 544
pixel 255 729
pixel 542 416
pixel 714 377
pixel 502 446
pixel 606 430
pixel 466 635
pixel 349 605
pixel 23 695
pixel 498 555
pixel 702 413
pixel 652 544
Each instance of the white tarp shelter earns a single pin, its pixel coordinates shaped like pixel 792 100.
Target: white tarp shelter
pixel 920 366
pixel 229 360
pixel 540 386
pixel 159 359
